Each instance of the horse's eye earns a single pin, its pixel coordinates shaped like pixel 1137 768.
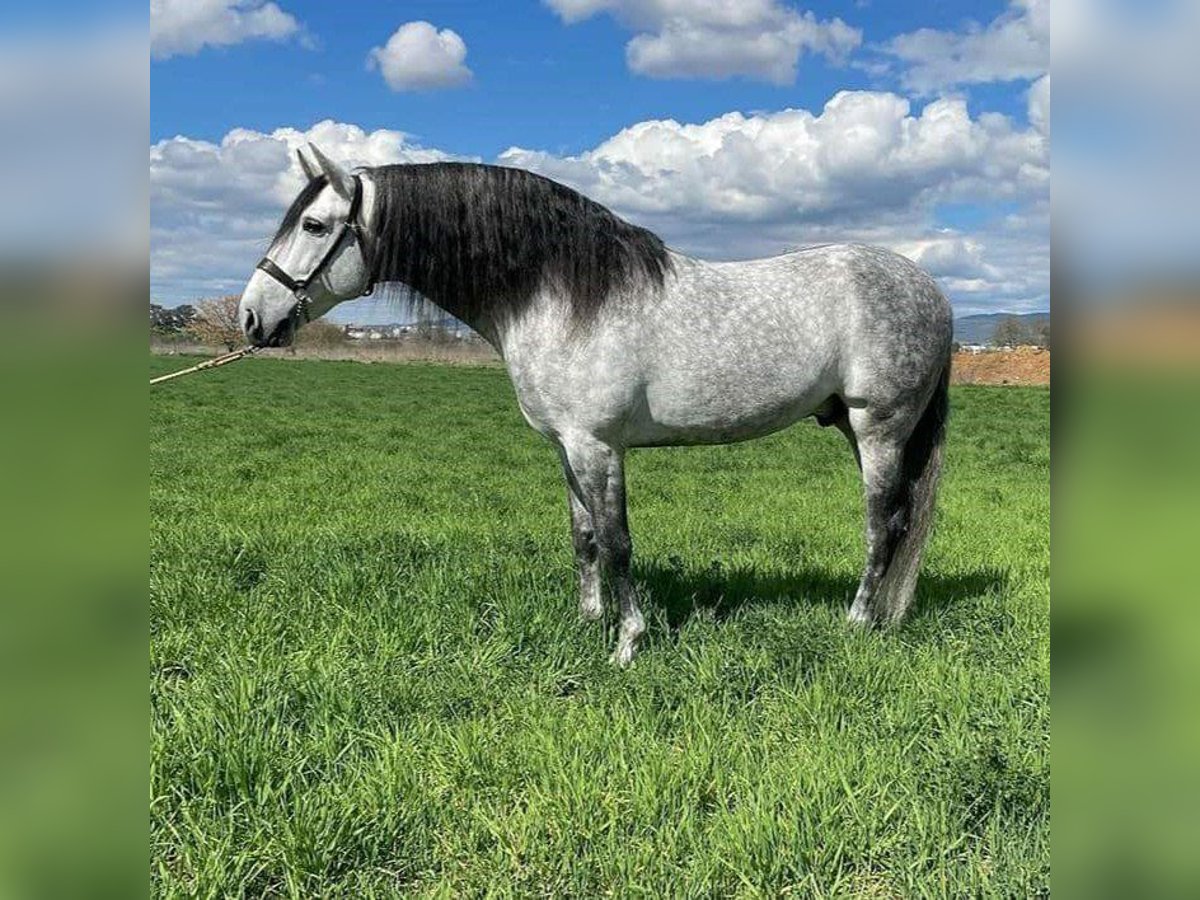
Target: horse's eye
pixel 312 226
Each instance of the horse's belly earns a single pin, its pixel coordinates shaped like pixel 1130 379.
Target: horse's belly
pixel 721 411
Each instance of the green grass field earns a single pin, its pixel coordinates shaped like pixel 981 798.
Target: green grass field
pixel 368 678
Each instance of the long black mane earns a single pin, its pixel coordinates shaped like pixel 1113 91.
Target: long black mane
pixel 478 239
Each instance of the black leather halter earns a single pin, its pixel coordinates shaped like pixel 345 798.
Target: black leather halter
pixel 299 286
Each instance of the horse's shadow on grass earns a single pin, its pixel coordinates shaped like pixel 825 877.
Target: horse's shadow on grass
pixel 721 591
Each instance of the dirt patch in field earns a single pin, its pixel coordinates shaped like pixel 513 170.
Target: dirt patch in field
pixel 1022 365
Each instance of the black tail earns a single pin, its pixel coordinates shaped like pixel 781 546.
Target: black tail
pixel 922 470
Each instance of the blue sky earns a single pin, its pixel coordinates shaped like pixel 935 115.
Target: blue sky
pixel 537 82
pixel 939 149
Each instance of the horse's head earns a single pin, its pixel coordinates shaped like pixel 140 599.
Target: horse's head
pixel 317 259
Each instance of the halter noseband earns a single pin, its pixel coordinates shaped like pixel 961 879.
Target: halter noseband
pixel 299 286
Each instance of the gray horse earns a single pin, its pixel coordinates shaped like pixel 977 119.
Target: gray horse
pixel 612 341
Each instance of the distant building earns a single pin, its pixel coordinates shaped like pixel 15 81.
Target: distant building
pixel 447 327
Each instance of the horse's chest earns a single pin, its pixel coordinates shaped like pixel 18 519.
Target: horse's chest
pixel 565 392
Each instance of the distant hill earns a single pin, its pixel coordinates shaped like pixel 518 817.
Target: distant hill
pixel 978 329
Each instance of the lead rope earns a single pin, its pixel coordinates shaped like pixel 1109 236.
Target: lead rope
pixel 207 364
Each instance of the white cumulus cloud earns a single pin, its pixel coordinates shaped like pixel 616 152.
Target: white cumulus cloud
pixel 866 155
pixel 418 57
pixel 950 255
pixel 184 27
pixel 716 39
pixel 1013 46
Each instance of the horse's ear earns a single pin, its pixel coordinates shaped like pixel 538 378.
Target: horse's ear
pixel 341 180
pixel 310 171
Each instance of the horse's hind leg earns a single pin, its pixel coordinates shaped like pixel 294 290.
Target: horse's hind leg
pixel 881 459
pixel 901 447
pixel 587 553
pixel 599 471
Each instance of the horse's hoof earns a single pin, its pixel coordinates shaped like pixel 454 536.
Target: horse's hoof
pixel 591 612
pixel 627 641
pixel 623 656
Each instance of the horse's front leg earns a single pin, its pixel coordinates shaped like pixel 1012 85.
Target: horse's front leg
pixel 599 472
pixel 587 553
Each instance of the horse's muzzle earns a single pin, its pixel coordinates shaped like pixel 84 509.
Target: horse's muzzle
pixel 280 336
pixel 284 332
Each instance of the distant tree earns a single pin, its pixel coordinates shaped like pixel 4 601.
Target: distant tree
pixel 168 321
pixel 216 322
pixel 1010 332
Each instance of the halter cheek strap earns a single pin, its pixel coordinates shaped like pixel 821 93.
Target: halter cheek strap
pixel 299 286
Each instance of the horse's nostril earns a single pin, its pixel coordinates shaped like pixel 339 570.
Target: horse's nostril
pixel 252 326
